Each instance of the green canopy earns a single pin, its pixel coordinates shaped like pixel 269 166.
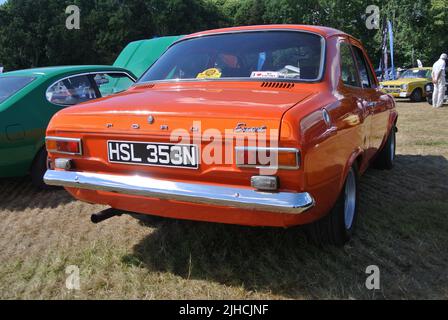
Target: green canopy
pixel 138 56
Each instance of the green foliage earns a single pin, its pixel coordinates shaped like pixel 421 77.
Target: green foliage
pixel 418 24
pixel 33 33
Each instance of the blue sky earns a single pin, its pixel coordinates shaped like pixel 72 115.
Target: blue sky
pixel 2 1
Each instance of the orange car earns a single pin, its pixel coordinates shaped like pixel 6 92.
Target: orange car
pixel 259 126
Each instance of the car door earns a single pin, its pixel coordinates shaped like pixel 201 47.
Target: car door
pixel 375 106
pixel 353 90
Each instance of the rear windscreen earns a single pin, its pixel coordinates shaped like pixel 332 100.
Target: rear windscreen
pixel 10 85
pixel 291 55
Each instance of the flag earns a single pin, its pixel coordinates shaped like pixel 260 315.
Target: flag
pixel 391 43
pixel 384 57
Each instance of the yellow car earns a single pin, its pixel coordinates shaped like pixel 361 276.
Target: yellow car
pixel 411 84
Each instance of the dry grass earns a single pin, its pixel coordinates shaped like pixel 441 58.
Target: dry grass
pixel 403 230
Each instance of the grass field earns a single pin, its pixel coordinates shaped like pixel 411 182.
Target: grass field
pixel 403 230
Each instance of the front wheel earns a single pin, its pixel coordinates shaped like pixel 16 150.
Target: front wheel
pixel 338 226
pixel 417 95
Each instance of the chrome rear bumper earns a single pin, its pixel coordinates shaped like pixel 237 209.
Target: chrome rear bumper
pixel 280 202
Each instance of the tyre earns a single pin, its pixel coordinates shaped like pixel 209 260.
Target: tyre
pixel 417 95
pixel 386 157
pixel 338 226
pixel 38 169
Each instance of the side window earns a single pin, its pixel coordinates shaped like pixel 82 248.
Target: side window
pixel 111 83
pixel 71 91
pixel 349 73
pixel 365 74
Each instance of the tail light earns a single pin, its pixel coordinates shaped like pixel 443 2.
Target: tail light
pixel 279 158
pixel 64 145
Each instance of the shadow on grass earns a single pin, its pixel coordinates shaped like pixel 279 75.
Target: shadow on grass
pixel 18 194
pixel 404 218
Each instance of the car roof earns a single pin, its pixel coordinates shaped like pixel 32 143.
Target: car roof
pixel 48 72
pixel 323 31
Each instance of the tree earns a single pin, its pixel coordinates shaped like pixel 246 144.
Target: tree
pixel 33 33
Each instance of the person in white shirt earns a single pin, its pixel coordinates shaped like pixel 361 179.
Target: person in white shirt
pixel 439 80
pixel 1 68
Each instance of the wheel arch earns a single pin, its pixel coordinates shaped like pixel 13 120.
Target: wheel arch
pixel 356 158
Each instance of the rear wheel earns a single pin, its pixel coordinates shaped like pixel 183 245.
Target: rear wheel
pixel 386 158
pixel 338 226
pixel 417 95
pixel 38 169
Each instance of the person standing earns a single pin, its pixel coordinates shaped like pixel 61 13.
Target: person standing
pixel 1 68
pixel 439 81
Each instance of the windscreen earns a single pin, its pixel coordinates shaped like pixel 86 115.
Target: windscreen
pixel 412 74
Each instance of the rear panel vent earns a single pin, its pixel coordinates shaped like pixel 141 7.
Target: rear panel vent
pixel 277 85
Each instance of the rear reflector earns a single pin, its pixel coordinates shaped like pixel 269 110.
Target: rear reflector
pixel 265 183
pixel 64 164
pixel 64 145
pixel 280 158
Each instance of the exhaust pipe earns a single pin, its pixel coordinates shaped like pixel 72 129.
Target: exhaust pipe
pixel 104 215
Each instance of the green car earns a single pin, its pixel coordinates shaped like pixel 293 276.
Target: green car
pixel 28 100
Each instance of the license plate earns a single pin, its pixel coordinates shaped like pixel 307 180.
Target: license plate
pixel 153 154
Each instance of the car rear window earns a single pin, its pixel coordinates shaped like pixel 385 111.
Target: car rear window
pixel 296 56
pixel 10 85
